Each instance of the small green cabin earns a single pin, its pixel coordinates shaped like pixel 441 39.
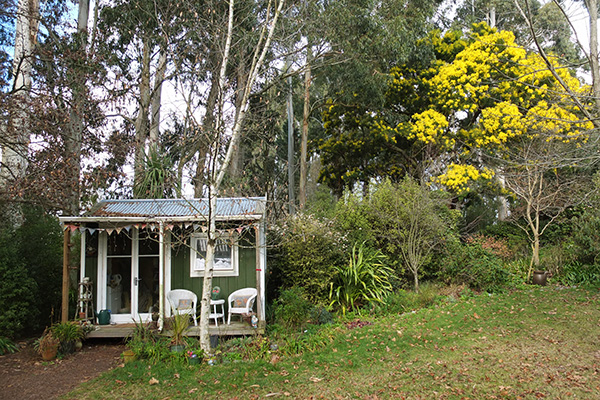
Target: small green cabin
pixel 133 252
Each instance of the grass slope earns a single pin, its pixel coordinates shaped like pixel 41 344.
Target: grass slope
pixel 538 343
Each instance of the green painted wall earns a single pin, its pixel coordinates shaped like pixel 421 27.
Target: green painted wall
pixel 180 270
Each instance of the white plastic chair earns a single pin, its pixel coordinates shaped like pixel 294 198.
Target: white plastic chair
pixel 241 302
pixel 183 302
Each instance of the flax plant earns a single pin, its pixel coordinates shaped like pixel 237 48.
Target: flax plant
pixel 365 278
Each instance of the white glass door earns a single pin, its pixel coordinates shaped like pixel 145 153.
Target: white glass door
pixel 130 270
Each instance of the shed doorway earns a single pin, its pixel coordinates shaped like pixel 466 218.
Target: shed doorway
pixel 129 266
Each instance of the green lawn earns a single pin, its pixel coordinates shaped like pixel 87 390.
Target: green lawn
pixel 536 343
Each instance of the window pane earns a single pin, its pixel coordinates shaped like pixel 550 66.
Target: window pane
pixel 148 243
pixel 119 244
pixel 222 254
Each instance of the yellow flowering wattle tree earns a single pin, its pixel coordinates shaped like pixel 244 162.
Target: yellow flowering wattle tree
pixel 495 109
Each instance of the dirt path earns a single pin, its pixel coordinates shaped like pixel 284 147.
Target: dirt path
pixel 24 375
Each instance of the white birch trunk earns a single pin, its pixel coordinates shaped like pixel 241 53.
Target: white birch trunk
pixel 217 174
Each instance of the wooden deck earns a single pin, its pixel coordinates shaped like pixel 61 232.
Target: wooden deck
pixel 125 330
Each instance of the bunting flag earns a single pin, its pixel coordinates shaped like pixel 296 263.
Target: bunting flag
pixel 154 226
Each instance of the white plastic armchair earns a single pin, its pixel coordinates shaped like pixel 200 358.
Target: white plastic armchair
pixel 241 302
pixel 183 302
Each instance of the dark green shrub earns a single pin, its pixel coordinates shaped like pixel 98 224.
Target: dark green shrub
pixel 40 247
pixel 472 265
pixel 292 309
pixel 586 237
pixel 18 290
pixel 352 218
pixel 576 273
pixel 320 315
pixel 307 251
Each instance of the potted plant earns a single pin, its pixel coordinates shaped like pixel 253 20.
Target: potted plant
pixel 192 357
pixel 179 323
pixel 47 345
pixel 68 334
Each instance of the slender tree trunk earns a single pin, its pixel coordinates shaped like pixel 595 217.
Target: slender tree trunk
pixel 217 173
pixel 213 192
pixel 157 96
pixel 16 134
pixel 237 161
pixel 208 127
pixel 304 140
pixel 291 163
pixel 73 143
pixel 141 122
pixel 592 6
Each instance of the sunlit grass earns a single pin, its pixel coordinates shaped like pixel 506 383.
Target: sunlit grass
pixel 536 343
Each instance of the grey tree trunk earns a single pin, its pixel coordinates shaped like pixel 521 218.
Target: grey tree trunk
pixel 141 121
pixel 592 6
pixel 291 163
pixel 73 142
pixel 15 145
pixel 157 96
pixel 304 140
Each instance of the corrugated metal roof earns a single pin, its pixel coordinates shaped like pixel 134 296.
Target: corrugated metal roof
pixel 164 208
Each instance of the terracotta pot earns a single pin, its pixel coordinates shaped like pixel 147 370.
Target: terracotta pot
pixel 49 353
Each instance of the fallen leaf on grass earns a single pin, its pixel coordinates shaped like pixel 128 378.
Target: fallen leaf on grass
pixel 192 390
pixel 315 379
pixel 153 381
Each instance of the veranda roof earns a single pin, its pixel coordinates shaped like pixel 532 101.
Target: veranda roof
pixel 171 210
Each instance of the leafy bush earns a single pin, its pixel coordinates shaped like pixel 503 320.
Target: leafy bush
pixel 586 237
pixel 18 290
pixel 308 250
pixel 320 315
pixel 352 218
pixel 472 265
pixel 492 244
pixel 7 346
pixel 410 222
pixel 40 247
pixel 365 278
pixel 147 344
pixel 576 273
pixel 67 334
pixel 292 308
pixel 31 271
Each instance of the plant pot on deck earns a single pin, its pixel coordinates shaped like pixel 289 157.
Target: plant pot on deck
pixel 539 278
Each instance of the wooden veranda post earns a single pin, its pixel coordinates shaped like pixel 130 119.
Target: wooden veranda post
pixel 64 316
pixel 259 299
